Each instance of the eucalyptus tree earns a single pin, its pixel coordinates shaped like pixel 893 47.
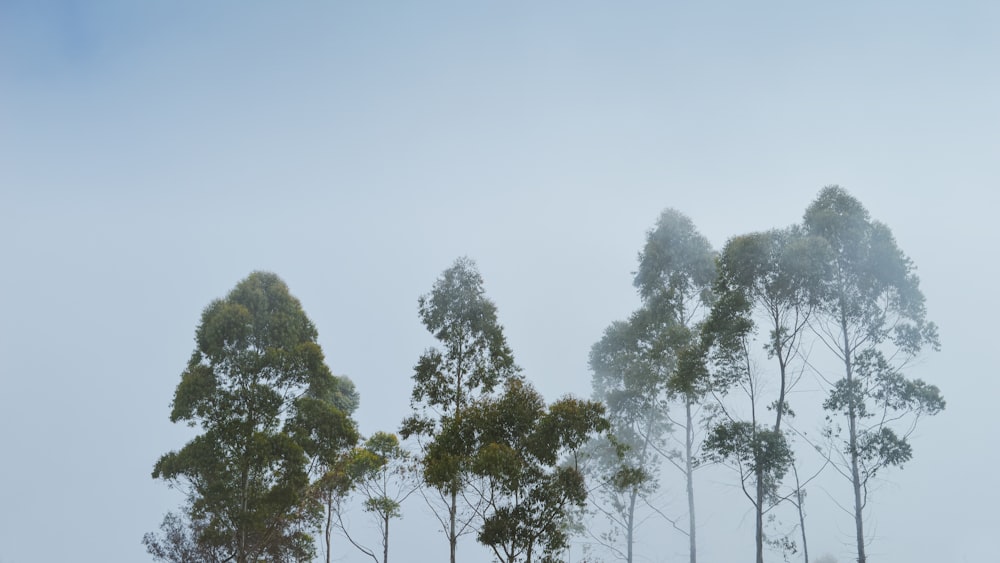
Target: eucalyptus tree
pixel 526 455
pixel 254 386
pixel 674 279
pixel 630 382
pixel 766 283
pixel 473 360
pixel 383 473
pixel 874 321
pixel 328 452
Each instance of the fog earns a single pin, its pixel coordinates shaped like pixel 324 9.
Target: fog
pixel 153 155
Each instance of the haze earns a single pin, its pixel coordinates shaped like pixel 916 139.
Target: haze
pixel 154 154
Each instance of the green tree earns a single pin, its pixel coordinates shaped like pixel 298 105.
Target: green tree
pixel 324 441
pixel 517 445
pixel 178 542
pixel 874 321
pixel 630 380
pixel 766 283
pixel 638 372
pixel 254 387
pixel 385 476
pixel 473 360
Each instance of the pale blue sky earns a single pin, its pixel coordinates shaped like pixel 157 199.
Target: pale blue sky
pixel 152 154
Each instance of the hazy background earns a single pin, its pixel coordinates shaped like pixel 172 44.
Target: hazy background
pixel 152 154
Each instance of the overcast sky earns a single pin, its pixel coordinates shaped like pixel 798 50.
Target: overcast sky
pixel 152 154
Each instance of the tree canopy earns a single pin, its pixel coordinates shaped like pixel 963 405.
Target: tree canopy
pixel 255 387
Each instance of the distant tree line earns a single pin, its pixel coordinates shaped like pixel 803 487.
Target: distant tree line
pixel 700 374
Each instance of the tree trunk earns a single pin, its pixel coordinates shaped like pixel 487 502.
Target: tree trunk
pixel 329 525
pixel 800 505
pixel 385 539
pixel 852 423
pixel 689 474
pixel 453 514
pixel 760 517
pixel 630 528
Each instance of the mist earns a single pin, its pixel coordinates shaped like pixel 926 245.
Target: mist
pixel 153 156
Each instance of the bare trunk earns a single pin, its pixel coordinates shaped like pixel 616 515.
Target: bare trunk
pixel 329 525
pixel 385 540
pixel 852 423
pixel 760 517
pixel 453 513
pixel 630 529
pixel 799 504
pixel 689 474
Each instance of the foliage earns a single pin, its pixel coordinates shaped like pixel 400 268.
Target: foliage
pixel 179 542
pixel 517 444
pixel 767 281
pixel 874 320
pixel 254 386
pixel 474 358
pixel 382 472
pixel 638 371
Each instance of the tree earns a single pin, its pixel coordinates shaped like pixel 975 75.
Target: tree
pixel 517 446
pixel 383 473
pixel 473 361
pixel 253 386
pixel 767 282
pixel 631 383
pixel 328 451
pixel 674 279
pixel 179 542
pixel 874 321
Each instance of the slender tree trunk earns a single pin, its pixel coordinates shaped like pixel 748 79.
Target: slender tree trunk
pixel 689 474
pixel 760 517
pixel 453 513
pixel 385 539
pixel 799 504
pixel 329 525
pixel 852 422
pixel 630 528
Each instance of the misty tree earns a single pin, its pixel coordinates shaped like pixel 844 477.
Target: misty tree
pixel 674 279
pixel 473 360
pixel 630 382
pixel 874 321
pixel 328 449
pixel 526 456
pixel 254 386
pixel 766 284
pixel 383 473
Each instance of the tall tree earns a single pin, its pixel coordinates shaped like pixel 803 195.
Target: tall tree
pixel 674 279
pixel 518 445
pixel 253 387
pixel 328 451
pixel 626 464
pixel 874 321
pixel 473 360
pixel 766 283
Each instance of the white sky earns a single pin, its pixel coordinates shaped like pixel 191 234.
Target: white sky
pixel 152 154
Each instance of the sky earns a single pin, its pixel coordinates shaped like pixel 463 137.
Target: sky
pixel 153 154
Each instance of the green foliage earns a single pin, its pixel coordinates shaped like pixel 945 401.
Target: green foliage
pixel 473 359
pixel 516 444
pixel 872 310
pixel 384 474
pixel 676 263
pixel 642 365
pixel 475 355
pixel 255 386
pixel 760 453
